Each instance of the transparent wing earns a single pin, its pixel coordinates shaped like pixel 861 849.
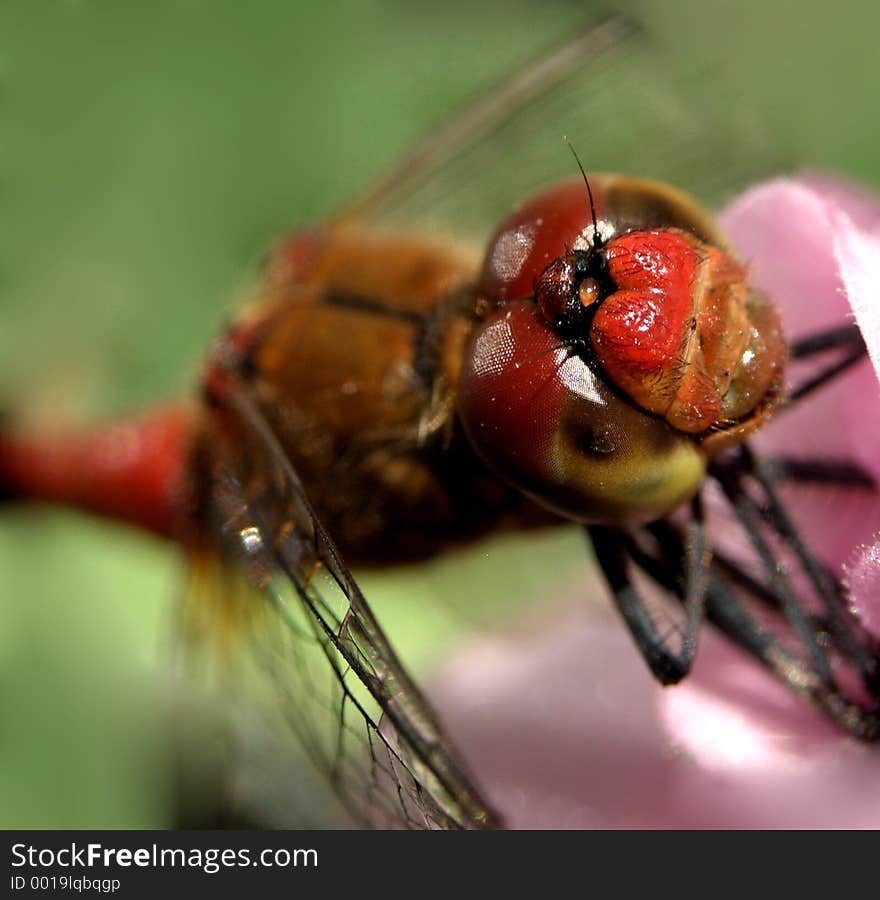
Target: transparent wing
pixel 627 101
pixel 319 657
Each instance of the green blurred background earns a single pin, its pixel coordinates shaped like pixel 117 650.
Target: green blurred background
pixel 149 153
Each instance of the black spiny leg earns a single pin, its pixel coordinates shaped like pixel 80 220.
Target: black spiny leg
pixel 835 473
pixel 727 609
pixel 750 514
pixel 667 665
pixel 847 339
pixel 832 338
pixel 838 619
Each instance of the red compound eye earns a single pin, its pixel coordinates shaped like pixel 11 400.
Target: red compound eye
pixel 552 426
pixel 540 231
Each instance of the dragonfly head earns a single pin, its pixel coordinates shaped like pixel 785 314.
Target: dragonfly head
pixel 617 354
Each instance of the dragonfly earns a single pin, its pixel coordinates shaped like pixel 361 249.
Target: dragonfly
pixel 347 418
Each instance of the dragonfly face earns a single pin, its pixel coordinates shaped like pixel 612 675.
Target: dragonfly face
pixel 642 353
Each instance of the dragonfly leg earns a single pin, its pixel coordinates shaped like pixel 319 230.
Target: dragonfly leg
pixel 838 473
pixel 830 339
pixel 847 339
pixel 839 620
pixel 668 666
pixel 751 517
pixel 727 610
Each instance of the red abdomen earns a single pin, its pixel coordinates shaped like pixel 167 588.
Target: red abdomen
pixel 135 470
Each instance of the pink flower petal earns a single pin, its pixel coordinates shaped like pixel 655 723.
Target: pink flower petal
pixel 863 583
pixel 861 204
pixel 858 255
pixel 822 270
pixel 566 729
pixel 775 762
pixel 781 230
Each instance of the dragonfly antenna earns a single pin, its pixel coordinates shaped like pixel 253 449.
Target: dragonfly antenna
pixel 597 239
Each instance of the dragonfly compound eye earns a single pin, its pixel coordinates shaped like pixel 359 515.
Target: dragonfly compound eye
pixel 551 425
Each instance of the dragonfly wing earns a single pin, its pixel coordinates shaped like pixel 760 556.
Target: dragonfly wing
pixel 361 720
pixel 626 101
